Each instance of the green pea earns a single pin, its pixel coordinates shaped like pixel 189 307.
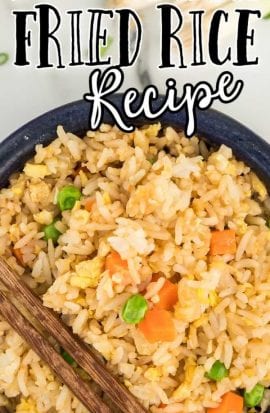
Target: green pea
pixel 134 309
pixel 255 396
pixel 67 357
pixel 217 372
pixel 50 232
pixel 268 222
pixel 67 197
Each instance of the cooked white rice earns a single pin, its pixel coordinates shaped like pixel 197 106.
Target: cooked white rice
pixel 156 197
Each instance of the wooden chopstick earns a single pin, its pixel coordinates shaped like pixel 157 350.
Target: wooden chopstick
pixel 46 351
pixel 81 353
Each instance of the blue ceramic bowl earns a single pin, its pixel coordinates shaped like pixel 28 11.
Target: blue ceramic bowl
pixel 213 126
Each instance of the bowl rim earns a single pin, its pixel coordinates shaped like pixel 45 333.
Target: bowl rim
pixel 213 126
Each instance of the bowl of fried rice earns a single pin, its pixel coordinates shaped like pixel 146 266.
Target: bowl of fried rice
pixel 152 247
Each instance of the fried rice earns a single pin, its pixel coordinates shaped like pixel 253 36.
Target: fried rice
pixel 154 198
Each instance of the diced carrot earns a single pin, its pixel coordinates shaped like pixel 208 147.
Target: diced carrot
pixel 89 204
pixel 158 326
pixel 168 296
pixel 114 263
pixel 231 403
pixel 162 405
pixel 223 242
pixel 17 252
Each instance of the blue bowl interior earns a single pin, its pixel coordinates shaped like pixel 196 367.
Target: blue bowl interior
pixel 216 128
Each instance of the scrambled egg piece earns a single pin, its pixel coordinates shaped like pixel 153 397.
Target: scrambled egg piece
pixel 249 289
pixel 213 299
pixel 81 282
pixel 37 249
pixel 127 383
pixel 202 296
pixel 153 374
pixel 27 405
pixel 258 186
pixel 14 232
pixel 249 323
pixel 36 171
pixel 152 130
pixel 231 169
pixel 191 303
pixel 190 367
pixel 18 189
pixel 81 301
pixel 250 372
pixel 182 392
pixel 91 268
pixel 44 217
pixel 79 219
pixel 218 265
pixel 241 226
pixel 40 193
pixel 83 177
pixel 201 321
pixel 106 198
pixel 194 300
pixel 88 273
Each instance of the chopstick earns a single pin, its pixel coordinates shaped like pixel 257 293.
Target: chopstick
pixel 46 351
pixel 82 354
